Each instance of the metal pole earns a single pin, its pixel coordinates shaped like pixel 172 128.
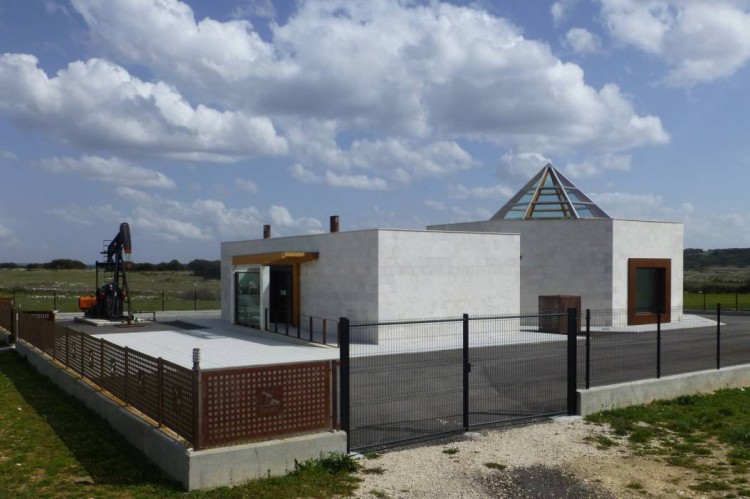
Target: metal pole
pixel 299 322
pixel 162 300
pixel 718 336
pixel 466 371
pixel 345 380
pixel 325 331
pixel 588 348
pixel 160 391
pixel 704 300
pixel 658 344
pixel 197 413
pixel 311 328
pixel 736 301
pixel 572 362
pixel 195 299
pixel 54 299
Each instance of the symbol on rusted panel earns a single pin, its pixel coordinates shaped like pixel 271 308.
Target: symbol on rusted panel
pixel 268 400
pixel 91 358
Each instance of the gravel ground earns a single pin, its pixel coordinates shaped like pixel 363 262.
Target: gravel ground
pixel 554 459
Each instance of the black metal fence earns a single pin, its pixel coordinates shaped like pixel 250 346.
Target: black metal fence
pixel 614 352
pixel 306 327
pixel 405 381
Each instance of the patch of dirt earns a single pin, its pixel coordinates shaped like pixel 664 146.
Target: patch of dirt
pixel 561 459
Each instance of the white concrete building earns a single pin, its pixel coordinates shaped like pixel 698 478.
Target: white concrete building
pixel 370 275
pixel 550 239
pixel 570 246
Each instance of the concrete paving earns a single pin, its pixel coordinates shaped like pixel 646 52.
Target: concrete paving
pixel 221 344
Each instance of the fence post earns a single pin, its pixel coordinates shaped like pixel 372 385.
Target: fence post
pixel 345 380
pixel 325 331
pixel 54 299
pixel 160 391
pixel 18 319
pixel 299 325
pixel 127 361
pixel 67 348
pixel 195 299
pixel 736 301
pixel 162 300
pixel 311 328
pixel 572 362
pixel 197 413
pixel 658 343
pixel 588 348
pixel 466 371
pixel 718 336
pixel 13 323
pixel 101 363
pixel 83 359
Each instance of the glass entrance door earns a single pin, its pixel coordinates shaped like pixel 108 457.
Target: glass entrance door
pixel 247 298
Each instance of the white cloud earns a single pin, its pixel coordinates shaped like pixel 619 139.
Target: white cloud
pixel 641 207
pixel 435 205
pixel 246 185
pixel 361 182
pixel 435 72
pixel 207 219
pixel 594 166
pixel 500 192
pixel 561 9
pixel 110 170
pixel 254 8
pixel 87 215
pixel 99 104
pixel 7 155
pixel 355 181
pixel 521 165
pixel 581 41
pixel 8 236
pixel 701 40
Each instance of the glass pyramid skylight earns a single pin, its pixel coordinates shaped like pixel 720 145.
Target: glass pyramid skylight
pixel 549 195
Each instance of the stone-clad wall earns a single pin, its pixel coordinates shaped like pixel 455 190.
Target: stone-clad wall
pixel 438 274
pixel 383 274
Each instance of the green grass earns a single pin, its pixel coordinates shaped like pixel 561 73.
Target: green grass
pixel 450 451
pixel 52 446
pixel 697 301
pixel 707 433
pixel 60 289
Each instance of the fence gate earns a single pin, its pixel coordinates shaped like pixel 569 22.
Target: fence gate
pixel 414 380
pixel 517 371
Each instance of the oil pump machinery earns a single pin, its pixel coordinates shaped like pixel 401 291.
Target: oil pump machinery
pixel 112 296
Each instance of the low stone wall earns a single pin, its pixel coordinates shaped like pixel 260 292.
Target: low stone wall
pixel 192 469
pixel 603 398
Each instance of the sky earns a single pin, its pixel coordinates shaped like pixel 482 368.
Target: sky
pixel 199 121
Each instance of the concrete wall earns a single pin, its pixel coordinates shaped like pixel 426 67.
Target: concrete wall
pixel 438 274
pixel 668 387
pixel 394 274
pixel 586 257
pixel 638 239
pixel 558 257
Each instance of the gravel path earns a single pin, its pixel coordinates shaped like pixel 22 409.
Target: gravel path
pixel 554 459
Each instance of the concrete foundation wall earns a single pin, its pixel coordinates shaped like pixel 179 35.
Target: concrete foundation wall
pixel 637 239
pixel 191 469
pixel 438 274
pixel 668 387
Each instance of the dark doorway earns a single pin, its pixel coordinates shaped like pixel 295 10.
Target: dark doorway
pixel 649 290
pixel 281 295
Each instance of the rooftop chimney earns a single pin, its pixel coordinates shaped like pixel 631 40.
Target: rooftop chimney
pixel 266 232
pixel 334 223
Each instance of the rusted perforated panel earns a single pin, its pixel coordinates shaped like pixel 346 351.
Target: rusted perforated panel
pixel 255 403
pixel 177 400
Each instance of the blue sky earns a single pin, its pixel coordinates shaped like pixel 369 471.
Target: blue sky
pixel 200 121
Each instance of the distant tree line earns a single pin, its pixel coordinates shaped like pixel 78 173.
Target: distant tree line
pixel 730 257
pixel 208 269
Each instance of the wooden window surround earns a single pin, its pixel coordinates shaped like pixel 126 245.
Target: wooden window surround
pixel 664 290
